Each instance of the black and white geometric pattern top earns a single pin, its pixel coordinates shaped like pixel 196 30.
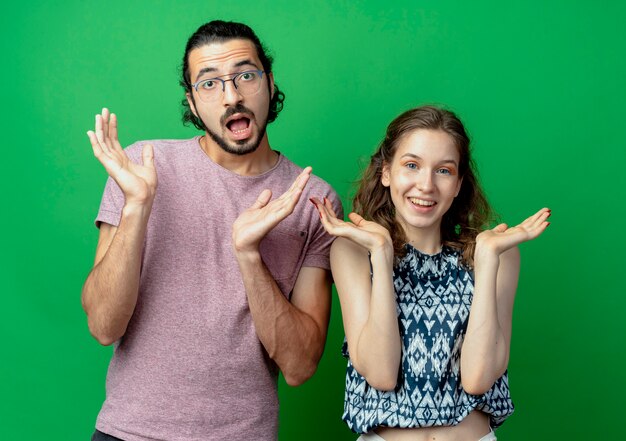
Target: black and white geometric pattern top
pixel 434 295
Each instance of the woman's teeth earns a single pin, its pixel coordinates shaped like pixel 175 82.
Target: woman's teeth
pixel 422 202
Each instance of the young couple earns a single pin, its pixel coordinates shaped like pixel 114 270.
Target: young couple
pixel 208 284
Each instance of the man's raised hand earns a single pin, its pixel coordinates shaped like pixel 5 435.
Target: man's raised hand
pixel 138 182
pixel 254 223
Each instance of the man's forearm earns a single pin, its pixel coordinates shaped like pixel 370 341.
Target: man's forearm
pixel 291 337
pixel 110 292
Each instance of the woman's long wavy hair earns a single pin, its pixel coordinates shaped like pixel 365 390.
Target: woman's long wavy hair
pixel 470 211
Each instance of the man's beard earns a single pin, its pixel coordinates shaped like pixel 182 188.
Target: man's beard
pixel 244 148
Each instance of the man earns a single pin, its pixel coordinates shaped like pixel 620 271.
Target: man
pixel 206 283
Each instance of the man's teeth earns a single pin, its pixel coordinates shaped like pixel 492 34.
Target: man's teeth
pixel 421 202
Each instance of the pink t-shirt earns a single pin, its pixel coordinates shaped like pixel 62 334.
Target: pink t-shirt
pixel 190 366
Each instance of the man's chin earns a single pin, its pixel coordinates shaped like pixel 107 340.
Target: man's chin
pixel 242 147
pixel 237 147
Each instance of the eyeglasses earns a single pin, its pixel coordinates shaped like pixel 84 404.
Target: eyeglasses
pixel 246 83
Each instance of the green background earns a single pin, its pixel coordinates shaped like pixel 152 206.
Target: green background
pixel 540 85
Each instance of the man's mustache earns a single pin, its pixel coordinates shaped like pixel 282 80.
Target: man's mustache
pixel 238 108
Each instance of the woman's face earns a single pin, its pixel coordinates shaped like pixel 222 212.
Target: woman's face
pixel 423 179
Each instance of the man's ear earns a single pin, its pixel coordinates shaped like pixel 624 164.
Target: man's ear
pixel 271 79
pixel 191 104
pixel 385 178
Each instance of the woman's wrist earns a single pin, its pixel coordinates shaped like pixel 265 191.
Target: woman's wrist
pixel 485 256
pixel 382 251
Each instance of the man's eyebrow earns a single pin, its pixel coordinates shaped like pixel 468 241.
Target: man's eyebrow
pixel 246 63
pixel 206 70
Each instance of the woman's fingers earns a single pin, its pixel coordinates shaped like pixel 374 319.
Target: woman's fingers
pixel 333 225
pixel 533 226
pixel 356 218
pixel 329 206
pixel 501 228
pixel 359 230
pixel 538 217
pixel 537 222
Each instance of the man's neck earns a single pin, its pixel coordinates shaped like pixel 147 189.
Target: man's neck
pixel 251 164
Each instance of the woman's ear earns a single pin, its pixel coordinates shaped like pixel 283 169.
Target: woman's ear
pixel 385 178
pixel 458 188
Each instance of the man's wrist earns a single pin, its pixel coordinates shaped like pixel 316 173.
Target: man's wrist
pixel 250 255
pixel 133 210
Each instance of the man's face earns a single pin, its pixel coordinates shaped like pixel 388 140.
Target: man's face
pixel 235 122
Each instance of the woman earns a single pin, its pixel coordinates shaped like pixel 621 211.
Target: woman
pixel 426 295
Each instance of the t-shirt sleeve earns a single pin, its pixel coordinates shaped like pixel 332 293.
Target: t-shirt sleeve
pixel 112 202
pixel 318 253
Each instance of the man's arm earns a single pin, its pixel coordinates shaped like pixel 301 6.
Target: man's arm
pixel 110 292
pixel 293 333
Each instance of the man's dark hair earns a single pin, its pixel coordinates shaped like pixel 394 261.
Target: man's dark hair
pixel 220 31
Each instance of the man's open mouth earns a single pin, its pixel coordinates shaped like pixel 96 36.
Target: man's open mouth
pixel 239 125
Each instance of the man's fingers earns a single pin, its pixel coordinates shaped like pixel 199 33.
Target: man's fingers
pixel 301 180
pixel 262 200
pixel 105 121
pixel 113 132
pixel 95 145
pixel 292 196
pixel 110 165
pixel 147 154
pixel 99 132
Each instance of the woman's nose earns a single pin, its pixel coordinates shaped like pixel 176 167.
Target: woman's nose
pixel 424 181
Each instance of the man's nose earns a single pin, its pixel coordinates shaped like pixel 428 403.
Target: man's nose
pixel 231 93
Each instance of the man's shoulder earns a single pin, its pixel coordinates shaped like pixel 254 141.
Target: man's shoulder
pixel 162 146
pixel 315 184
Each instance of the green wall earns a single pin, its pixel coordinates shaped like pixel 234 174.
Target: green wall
pixel 540 85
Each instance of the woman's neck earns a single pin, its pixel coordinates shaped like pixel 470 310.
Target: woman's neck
pixel 426 240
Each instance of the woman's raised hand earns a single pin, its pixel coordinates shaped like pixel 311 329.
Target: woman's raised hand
pixel 368 234
pixel 502 238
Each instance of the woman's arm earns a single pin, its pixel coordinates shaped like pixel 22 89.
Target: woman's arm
pixel 485 351
pixel 368 306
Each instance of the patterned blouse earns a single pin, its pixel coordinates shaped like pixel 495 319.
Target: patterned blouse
pixel 434 295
